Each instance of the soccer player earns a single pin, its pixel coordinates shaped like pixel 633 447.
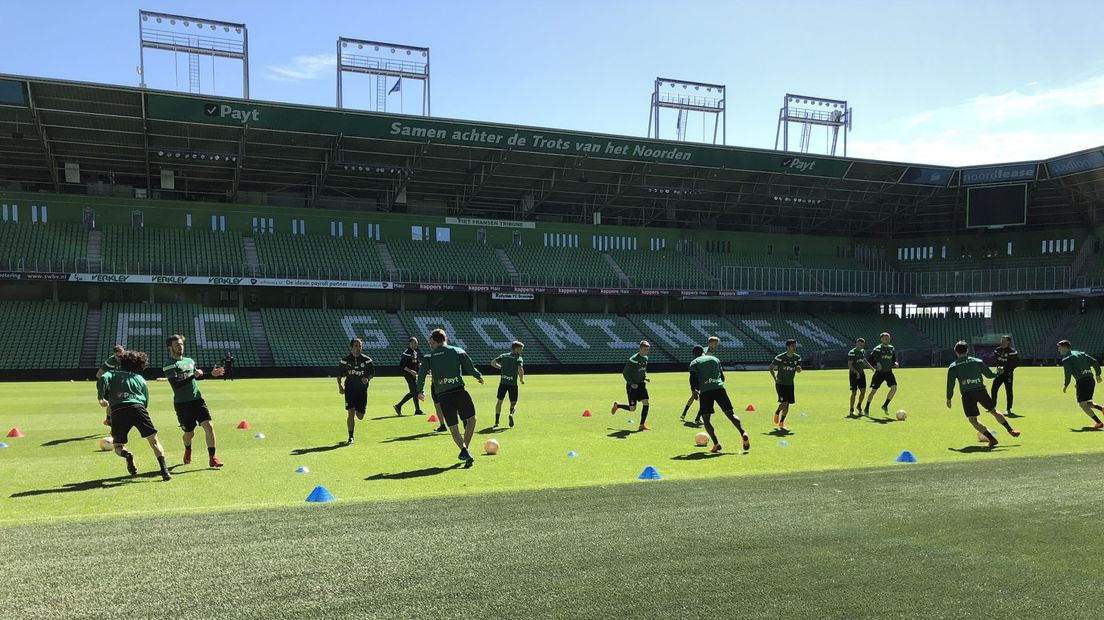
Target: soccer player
pixel 788 365
pixel 967 372
pixel 355 371
pixel 1081 366
pixel 408 364
pixel 124 392
pixel 191 409
pixel 111 363
pixel 707 378
pixel 636 380
pixel 856 362
pixel 448 365
pixel 713 343
pixel 883 359
pixel 513 370
pixel 1007 361
pixel 228 367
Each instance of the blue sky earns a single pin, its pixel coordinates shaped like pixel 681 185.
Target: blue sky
pixel 955 83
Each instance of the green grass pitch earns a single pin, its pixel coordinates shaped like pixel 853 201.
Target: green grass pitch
pixel 825 526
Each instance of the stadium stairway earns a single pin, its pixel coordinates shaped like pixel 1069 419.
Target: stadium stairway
pixel 388 261
pixel 515 276
pixel 94 250
pixel 532 343
pixel 398 327
pixel 90 351
pixel 700 266
pixel 1062 330
pixel 257 332
pixel 624 278
pixel 249 250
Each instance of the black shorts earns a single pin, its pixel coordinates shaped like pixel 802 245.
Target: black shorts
pixel 357 401
pixel 1004 378
pixel 971 399
pixel 858 382
pixel 456 405
pixel 635 395
pixel 411 383
pixel 785 393
pixel 506 388
pixel 714 397
pixel 191 414
pixel 883 376
pixel 1086 387
pixel 127 417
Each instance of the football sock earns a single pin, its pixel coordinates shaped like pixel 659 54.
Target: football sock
pixel 735 422
pixel 709 429
pixel 210 450
pixel 989 435
pixel 187 446
pixel 685 410
pixel 404 399
pixel 644 414
pixel 161 462
pixel 885 405
pixel 1097 407
pixel 1094 418
pixel 625 407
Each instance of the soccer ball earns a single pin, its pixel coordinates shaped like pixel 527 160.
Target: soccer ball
pixel 902 414
pixel 701 439
pixel 491 446
pixel 107 443
pixel 983 438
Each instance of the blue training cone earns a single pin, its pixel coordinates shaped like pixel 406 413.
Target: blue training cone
pixel 302 470
pixel 783 443
pixel 628 421
pixel 649 473
pixel 259 436
pixel 572 453
pixel 320 494
pixel 3 445
pixel 906 457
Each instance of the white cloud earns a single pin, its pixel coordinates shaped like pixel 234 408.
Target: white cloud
pixel 1029 123
pixel 314 67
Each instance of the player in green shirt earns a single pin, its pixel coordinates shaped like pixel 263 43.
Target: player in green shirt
pixel 513 371
pixel 636 384
pixel 967 373
pixel 448 365
pixel 707 378
pixel 1081 367
pixel 713 343
pixel 883 359
pixel 788 365
pixel 111 363
pixel 124 392
pixel 191 409
pixel 856 362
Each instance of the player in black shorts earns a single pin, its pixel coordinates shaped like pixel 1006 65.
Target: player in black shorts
pixel 883 359
pixel 448 365
pixel 968 374
pixel 856 362
pixel 1081 367
pixel 636 384
pixel 124 390
pixel 408 365
pixel 355 372
pixel 1007 361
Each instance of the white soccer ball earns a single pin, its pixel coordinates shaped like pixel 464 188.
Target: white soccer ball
pixel 491 446
pixel 902 414
pixel 107 443
pixel 701 439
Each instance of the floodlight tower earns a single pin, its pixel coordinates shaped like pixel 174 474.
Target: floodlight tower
pixel 195 37
pixel 688 97
pixel 381 61
pixel 832 114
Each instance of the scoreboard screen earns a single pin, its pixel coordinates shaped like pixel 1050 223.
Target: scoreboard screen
pixel 996 205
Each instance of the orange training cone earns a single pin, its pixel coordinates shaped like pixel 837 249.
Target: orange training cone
pixel 750 408
pixel 15 432
pixel 586 413
pixel 243 425
pixel 432 418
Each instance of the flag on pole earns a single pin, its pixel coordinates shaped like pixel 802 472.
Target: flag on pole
pixel 396 88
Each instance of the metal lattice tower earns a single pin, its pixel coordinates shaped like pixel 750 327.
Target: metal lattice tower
pixel 686 98
pixel 194 37
pixel 810 113
pixel 381 61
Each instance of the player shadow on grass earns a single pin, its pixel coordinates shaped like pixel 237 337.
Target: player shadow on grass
pixel 697 456
pixel 302 451
pixel 691 424
pixel 390 417
pixel 622 434
pixel 409 437
pixel 884 420
pixel 58 442
pixel 491 430
pixel 1085 429
pixel 92 485
pixel 977 449
pixel 779 432
pixel 417 473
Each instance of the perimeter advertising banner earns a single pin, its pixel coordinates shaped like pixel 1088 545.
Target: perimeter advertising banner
pixel 229 112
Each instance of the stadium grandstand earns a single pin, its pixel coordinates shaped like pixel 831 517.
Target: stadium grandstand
pixel 129 214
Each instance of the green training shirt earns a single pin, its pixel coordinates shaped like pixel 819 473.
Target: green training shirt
pixel 883 357
pixel 967 373
pixel 181 375
pixel 510 365
pixel 110 363
pixel 787 367
pixel 706 374
pixel 448 365
pixel 1080 365
pixel 857 357
pixel 636 369
pixel 122 387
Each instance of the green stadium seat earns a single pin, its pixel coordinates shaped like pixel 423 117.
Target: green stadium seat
pixel 553 266
pixel 590 338
pixel 41 334
pixel 661 269
pixel 315 337
pixel 54 246
pixel 484 335
pixel 318 256
pixel 678 333
pixel 178 251
pixel 210 332
pixel 447 262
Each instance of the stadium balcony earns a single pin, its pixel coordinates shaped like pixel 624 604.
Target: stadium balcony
pixel 445 262
pixel 554 266
pixel 171 251
pixel 661 269
pixel 318 257
pixel 54 246
pixel 41 335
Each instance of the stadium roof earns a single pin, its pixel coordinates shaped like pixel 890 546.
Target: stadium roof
pixel 238 150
